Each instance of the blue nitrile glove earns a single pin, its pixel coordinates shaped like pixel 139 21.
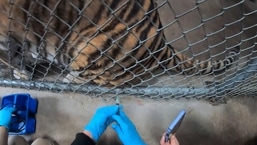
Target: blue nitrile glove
pixel 5 116
pixel 101 119
pixel 126 130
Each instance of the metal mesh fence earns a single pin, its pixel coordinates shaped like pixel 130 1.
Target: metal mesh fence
pixel 38 38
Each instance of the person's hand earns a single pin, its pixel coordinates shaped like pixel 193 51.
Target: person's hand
pixel 101 119
pixel 172 141
pixel 5 116
pixel 126 130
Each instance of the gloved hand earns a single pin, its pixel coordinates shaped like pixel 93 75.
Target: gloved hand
pixel 101 120
pixel 126 130
pixel 5 116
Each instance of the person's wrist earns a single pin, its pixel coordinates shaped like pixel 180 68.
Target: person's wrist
pixel 91 132
pixel 88 133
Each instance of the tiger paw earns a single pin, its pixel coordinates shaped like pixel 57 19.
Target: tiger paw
pixel 21 74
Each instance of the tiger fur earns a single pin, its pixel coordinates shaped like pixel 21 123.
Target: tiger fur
pixel 110 42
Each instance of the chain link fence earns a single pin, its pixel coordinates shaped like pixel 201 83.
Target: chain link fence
pixel 203 30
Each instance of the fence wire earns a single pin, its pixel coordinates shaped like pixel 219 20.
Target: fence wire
pixel 39 40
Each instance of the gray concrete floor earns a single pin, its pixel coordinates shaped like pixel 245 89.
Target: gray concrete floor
pixel 62 115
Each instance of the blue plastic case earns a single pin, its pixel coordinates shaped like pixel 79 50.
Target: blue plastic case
pixel 24 118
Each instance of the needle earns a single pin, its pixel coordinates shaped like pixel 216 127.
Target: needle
pixel 117 101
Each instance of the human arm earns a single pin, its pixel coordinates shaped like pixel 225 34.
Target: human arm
pixel 126 130
pixel 5 119
pixel 173 140
pixel 82 139
pixel 96 126
pixel 3 135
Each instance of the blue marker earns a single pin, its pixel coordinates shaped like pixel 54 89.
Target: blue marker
pixel 173 127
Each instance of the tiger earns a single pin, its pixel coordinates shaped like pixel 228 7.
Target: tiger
pixel 110 43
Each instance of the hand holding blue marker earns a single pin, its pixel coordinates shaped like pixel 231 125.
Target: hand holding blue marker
pixel 173 127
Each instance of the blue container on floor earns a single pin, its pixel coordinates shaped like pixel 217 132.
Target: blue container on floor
pixel 24 118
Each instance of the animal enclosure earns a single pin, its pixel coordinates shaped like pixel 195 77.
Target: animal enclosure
pixel 166 49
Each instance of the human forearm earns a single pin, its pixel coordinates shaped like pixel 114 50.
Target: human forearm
pixel 3 135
